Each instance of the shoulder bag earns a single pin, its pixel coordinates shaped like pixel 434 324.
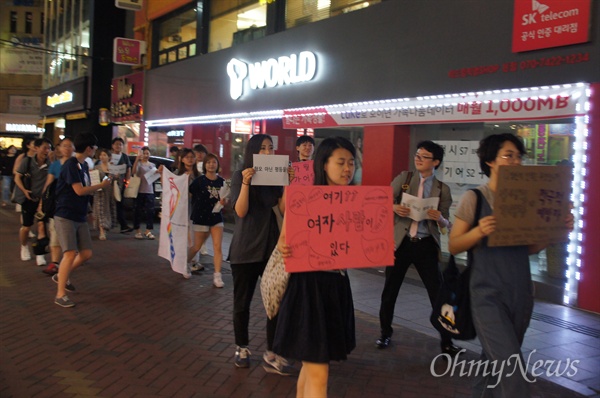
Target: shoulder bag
pixel 451 314
pixel 273 283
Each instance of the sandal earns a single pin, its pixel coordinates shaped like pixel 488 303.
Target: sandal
pixel 139 236
pixel 149 235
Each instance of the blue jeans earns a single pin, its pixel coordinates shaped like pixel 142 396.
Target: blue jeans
pixel 6 182
pixel 144 205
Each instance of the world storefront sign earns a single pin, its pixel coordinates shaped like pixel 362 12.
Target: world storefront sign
pixel 550 23
pixel 499 105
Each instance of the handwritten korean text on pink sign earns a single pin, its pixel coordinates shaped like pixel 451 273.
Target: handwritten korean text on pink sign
pixel 332 227
pixel 304 173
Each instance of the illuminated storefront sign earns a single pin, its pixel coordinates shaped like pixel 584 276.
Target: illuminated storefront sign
pixel 271 73
pixel 23 128
pixel 59 99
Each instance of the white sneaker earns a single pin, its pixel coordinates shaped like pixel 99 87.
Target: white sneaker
pixel 204 250
pixel 31 234
pixel 193 267
pixel 25 254
pixel 217 280
pixel 40 260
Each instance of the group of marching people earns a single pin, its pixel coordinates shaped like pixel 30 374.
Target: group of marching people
pixel 315 322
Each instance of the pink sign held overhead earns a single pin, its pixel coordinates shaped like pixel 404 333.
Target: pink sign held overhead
pixel 333 227
pixel 304 173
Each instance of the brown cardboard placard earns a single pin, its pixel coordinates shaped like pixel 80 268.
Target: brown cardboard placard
pixel 531 204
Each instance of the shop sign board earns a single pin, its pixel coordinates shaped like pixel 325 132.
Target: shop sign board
pixel 133 5
pixel 292 69
pixel 126 98
pixel 499 105
pixel 550 23
pixel 21 61
pixel 531 204
pixel 128 51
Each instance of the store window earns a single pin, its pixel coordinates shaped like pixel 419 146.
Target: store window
pixel 236 21
pixel 301 12
pixel 28 22
pixel 13 21
pixel 177 36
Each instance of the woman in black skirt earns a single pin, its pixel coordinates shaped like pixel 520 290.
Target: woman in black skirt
pixel 316 316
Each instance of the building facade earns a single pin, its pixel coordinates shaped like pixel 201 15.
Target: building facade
pixel 387 76
pixel 21 54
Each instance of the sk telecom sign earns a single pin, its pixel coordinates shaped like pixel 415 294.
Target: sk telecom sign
pixel 272 72
pixel 128 51
pixel 550 23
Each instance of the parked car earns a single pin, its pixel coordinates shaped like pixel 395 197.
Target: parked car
pixel 129 203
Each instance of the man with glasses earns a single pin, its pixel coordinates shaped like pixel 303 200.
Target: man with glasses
pixel 417 243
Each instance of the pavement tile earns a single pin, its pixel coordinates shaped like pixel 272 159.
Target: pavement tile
pixel 140 330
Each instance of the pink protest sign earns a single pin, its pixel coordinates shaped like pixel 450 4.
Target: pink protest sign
pixel 333 227
pixel 304 174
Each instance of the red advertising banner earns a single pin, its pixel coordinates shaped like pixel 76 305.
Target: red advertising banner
pixel 128 51
pixel 334 227
pixel 550 23
pixel 304 173
pixel 126 98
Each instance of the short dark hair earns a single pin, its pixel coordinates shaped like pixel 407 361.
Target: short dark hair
pixel 145 148
pixel 207 158
pixel 253 147
pixel 174 148
pixel 435 149
pixel 324 151
pixel 117 139
pixel 40 141
pixel 84 140
pixel 200 148
pixel 490 146
pixel 304 138
pixel 181 167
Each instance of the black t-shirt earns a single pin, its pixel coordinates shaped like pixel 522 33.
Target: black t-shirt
pixel 205 194
pixel 69 205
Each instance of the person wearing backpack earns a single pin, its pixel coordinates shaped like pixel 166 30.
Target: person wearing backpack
pixel 417 243
pixel 29 180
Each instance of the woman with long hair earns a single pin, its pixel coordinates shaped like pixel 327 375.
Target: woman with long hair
pixel 206 221
pixel 104 207
pixel 254 237
pixel 316 315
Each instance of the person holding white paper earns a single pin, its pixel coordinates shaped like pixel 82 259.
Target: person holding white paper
pixel 417 243
pixel 205 196
pixel 254 237
pixel 118 158
pixel 144 203
pixel 104 206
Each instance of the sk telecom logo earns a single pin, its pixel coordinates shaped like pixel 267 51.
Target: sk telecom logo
pixel 537 8
pixel 541 24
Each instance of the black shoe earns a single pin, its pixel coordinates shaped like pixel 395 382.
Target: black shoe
pixel 126 229
pixel 451 350
pixel 383 341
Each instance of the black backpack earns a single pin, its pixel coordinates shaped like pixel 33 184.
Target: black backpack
pixel 49 200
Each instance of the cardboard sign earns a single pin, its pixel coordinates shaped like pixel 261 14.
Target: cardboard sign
pixel 334 227
pixel 271 170
pixel 304 173
pixel 531 204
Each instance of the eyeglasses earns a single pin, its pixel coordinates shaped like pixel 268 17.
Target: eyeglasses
pixel 422 157
pixel 511 157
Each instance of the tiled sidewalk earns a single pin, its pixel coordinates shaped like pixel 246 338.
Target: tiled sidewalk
pixel 141 330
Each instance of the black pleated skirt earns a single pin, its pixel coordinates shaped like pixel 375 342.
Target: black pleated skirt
pixel 316 318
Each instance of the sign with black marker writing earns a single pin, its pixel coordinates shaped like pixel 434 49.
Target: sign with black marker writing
pixel 531 204
pixel 338 227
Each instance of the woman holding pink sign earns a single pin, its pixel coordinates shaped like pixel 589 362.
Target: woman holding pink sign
pixel 316 317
